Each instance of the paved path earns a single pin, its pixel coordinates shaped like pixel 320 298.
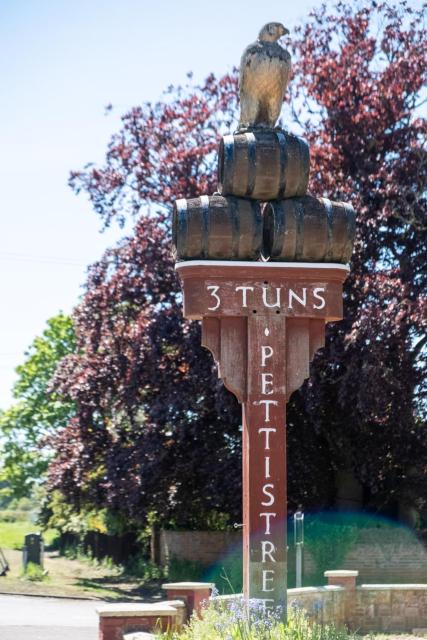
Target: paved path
pixel 30 618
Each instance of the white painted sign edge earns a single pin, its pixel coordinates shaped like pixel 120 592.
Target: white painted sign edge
pixel 247 263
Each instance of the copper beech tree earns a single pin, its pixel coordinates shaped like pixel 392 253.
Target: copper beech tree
pixel 154 430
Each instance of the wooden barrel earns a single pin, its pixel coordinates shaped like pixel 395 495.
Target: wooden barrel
pixel 264 165
pixel 217 228
pixel 308 230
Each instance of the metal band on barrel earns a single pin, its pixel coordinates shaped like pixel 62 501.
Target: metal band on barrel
pixel 304 162
pixel 181 226
pixel 251 142
pixel 329 253
pixel 283 156
pixel 235 212
pixel 227 178
pixel 299 236
pixel 205 205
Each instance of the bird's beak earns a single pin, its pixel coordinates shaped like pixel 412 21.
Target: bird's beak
pixel 286 32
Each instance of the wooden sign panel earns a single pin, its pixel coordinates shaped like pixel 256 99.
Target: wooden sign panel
pixel 263 322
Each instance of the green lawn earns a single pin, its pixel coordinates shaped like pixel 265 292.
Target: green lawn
pixel 12 534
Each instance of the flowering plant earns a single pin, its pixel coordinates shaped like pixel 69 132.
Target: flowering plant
pixel 239 619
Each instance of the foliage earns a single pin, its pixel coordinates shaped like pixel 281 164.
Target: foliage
pixel 153 429
pixel 226 575
pixel 248 620
pixel 34 573
pixel 37 413
pixel 140 567
pixel 360 75
pixel 13 515
pixel 328 543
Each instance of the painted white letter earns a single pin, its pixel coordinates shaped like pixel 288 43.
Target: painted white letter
pixel 317 295
pixel 269 495
pixel 267 431
pixel 214 293
pixel 302 300
pixel 264 298
pixel 266 578
pixel 266 381
pixel 267 467
pixel 267 404
pixel 244 291
pixel 267 521
pixel 267 552
pixel 266 352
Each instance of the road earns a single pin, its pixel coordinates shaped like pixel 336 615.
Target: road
pixel 31 618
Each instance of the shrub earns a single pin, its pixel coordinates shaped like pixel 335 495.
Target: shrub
pixel 13 515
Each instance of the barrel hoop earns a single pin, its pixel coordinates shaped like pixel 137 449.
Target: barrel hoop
pixel 283 155
pixel 234 212
pixel 276 239
pixel 227 174
pixel 329 253
pixel 279 229
pixel 351 231
pixel 251 143
pixel 204 203
pixel 299 241
pixel 181 227
pixel 257 226
pixel 304 159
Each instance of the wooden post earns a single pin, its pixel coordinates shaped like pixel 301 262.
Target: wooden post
pixel 264 462
pixel 263 323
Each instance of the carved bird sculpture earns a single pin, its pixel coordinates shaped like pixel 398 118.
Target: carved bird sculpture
pixel 265 69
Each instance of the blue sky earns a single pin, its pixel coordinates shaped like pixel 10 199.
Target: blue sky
pixel 60 64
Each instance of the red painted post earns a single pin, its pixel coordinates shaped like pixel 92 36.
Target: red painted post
pixel 263 323
pixel 264 447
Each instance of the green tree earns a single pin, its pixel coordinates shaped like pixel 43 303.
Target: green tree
pixel 25 427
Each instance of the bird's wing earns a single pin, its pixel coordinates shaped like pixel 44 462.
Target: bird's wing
pixel 248 63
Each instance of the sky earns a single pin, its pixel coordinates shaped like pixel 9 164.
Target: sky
pixel 61 63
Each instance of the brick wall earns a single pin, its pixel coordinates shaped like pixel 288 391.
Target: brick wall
pixel 206 547
pixel 368 608
pixel 382 608
pixel 379 555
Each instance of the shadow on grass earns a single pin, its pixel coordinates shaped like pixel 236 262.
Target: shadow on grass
pixel 110 590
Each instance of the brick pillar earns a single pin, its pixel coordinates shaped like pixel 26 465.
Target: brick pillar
pixel 117 619
pixel 347 580
pixel 193 594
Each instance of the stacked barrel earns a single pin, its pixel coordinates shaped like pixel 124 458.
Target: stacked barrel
pixel 261 209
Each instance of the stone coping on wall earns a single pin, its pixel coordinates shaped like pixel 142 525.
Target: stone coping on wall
pixel 301 591
pixel 138 609
pixel 395 587
pixel 341 573
pixel 191 586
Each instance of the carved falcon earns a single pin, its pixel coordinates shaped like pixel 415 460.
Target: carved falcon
pixel 265 69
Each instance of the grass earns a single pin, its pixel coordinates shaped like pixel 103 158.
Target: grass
pixel 12 534
pixel 34 573
pixel 79 578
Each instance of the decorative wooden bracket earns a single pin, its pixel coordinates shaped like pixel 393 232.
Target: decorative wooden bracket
pixel 263 323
